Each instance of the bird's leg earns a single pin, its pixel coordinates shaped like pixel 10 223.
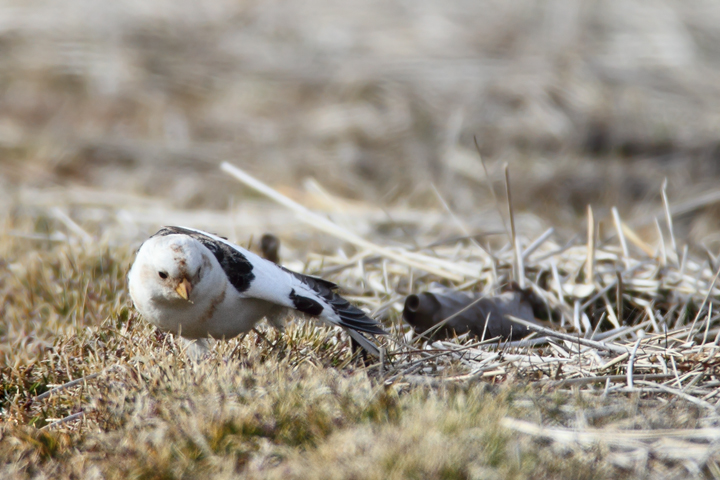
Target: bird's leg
pixel 261 335
pixel 355 347
pixel 195 349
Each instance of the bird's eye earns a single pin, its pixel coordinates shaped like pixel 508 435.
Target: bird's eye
pixel 163 275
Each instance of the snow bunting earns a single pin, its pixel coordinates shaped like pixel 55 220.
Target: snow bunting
pixel 199 285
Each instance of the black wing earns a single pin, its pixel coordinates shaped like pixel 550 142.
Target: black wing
pixel 237 268
pixel 350 315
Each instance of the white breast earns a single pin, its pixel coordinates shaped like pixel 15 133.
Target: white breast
pixel 224 316
pixel 235 315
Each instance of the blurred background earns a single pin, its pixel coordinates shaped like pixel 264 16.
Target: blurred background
pixel 123 110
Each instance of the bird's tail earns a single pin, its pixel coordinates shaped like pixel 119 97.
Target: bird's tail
pixel 368 345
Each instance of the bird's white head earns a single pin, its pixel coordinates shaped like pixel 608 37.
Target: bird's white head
pixel 170 268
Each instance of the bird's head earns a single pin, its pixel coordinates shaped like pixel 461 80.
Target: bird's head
pixel 172 267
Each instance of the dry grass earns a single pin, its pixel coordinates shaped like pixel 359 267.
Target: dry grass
pixel 295 408
pixel 629 389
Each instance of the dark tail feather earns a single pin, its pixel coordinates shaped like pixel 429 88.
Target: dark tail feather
pixel 369 346
pixel 366 325
pixel 353 317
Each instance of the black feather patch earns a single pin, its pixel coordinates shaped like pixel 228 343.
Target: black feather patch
pixel 350 315
pixel 237 268
pixel 306 305
pixel 312 281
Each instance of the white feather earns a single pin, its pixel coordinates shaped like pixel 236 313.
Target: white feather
pixel 215 307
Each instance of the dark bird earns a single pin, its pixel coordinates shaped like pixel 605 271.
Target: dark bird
pixel 270 247
pixel 479 316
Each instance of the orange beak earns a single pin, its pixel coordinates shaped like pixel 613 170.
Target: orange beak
pixel 184 289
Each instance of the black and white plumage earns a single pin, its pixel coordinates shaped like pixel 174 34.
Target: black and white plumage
pixel 200 285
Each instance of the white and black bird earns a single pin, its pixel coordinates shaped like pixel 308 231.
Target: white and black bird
pixel 199 285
